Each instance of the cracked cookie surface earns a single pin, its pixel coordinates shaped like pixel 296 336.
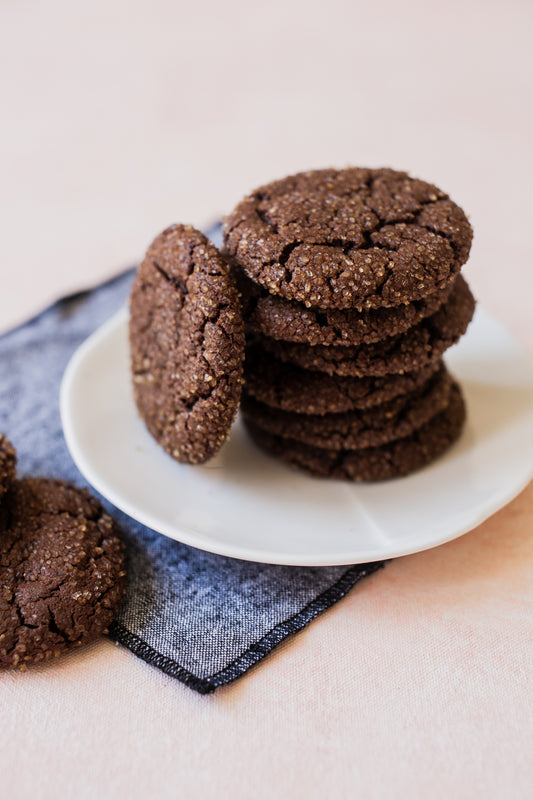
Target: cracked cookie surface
pixel 273 316
pixel 8 462
pixel 62 573
pixel 356 430
pixel 351 238
pixel 292 388
pixel 187 344
pixel 392 460
pixel 421 345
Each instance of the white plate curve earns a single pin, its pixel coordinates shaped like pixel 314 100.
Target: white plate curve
pixel 245 504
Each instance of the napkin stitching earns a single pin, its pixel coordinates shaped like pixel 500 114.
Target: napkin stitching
pixel 60 330
pixel 253 654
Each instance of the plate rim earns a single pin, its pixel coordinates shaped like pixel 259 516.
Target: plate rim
pixel 193 538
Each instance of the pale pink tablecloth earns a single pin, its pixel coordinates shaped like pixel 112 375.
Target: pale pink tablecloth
pixel 119 117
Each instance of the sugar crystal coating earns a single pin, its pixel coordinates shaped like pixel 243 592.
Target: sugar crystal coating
pixel 277 318
pixel 395 459
pixel 62 573
pixel 290 388
pixel 418 347
pixel 351 238
pixel 8 461
pixel 356 429
pixel 187 344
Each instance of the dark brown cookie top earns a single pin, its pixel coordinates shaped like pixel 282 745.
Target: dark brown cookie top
pixel 351 238
pixel 420 346
pixel 8 460
pixel 187 344
pixel 355 430
pixel 61 570
pixel 392 460
pixel 292 388
pixel 277 318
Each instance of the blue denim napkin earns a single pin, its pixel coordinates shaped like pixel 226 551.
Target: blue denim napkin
pixel 199 617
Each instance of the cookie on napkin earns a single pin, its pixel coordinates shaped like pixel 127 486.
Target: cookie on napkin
pixel 7 464
pixel 61 570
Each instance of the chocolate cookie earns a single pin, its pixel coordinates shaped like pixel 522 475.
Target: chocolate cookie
pixel 277 318
pixel 291 388
pixel 420 346
pixel 187 344
pixel 355 430
pixel 392 460
pixel 352 238
pixel 61 570
pixel 8 461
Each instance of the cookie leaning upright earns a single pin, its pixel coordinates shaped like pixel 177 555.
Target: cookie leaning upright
pixel 187 344
pixel 8 461
pixel 349 239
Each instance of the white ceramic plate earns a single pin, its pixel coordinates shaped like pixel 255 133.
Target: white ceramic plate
pixel 247 505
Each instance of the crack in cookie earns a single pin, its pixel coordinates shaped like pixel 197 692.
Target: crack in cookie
pixel 187 344
pixel 352 238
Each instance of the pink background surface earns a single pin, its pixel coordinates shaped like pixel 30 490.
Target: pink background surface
pixel 121 117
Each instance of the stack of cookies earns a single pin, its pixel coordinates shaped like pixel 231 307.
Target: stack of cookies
pixel 351 295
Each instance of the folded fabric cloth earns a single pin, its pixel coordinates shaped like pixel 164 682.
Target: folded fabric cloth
pixel 199 617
